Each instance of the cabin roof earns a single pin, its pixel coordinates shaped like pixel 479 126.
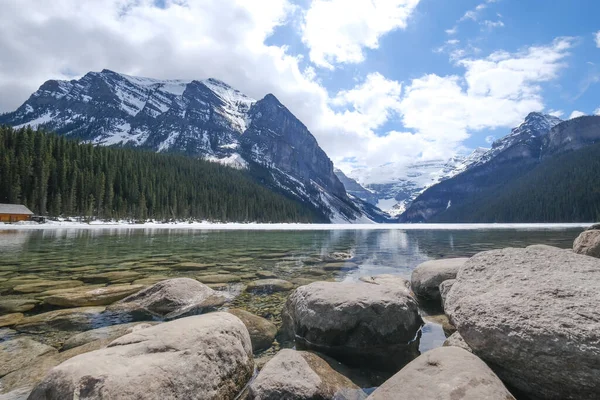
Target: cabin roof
pixel 14 209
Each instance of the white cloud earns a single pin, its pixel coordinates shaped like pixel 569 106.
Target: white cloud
pixel 453 42
pixel 338 31
pixel 556 113
pixel 492 24
pixel 489 139
pixel 597 111
pixel 598 39
pixel 576 114
pixel 452 31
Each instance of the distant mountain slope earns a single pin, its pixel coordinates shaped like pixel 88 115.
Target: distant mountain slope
pixel 206 119
pixel 393 186
pixel 468 196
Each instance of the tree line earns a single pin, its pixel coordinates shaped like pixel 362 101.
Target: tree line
pixel 56 176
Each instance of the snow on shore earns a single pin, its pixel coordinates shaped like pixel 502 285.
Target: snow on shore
pixel 53 225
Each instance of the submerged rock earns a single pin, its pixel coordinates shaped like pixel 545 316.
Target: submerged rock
pixel 427 277
pixel 10 319
pixel 17 353
pixel 534 315
pixel 94 297
pixel 588 243
pixel 112 277
pixel 262 332
pixel 269 286
pixel 42 286
pixel 300 375
pixel 219 278
pixel 170 299
pixel 17 305
pixel 106 333
pixel 199 357
pixel 71 319
pixel 356 323
pixel 445 373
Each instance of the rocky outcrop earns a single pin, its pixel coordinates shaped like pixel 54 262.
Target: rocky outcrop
pixel 445 373
pixel 356 323
pixel 262 332
pixel 588 243
pixel 170 299
pixel 427 277
pixel 17 353
pixel 200 357
pixel 532 315
pixel 300 375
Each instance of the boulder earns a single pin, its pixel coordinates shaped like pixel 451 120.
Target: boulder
pixel 106 333
pixel 457 341
pixel 445 289
pixel 262 332
pixel 426 278
pixel 445 373
pixel 534 316
pixel 300 375
pixel 24 379
pixel 42 286
pixel 95 297
pixel 588 243
pixel 263 274
pixel 199 357
pixel 269 286
pixel 16 305
pixel 386 279
pixel 71 319
pixel 170 299
pixel 356 323
pixel 339 266
pixel 10 319
pixel 17 353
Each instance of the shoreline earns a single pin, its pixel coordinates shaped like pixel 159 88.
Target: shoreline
pixel 209 226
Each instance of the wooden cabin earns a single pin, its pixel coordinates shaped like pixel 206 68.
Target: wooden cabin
pixel 14 213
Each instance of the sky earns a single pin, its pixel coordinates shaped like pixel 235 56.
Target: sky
pixel 376 81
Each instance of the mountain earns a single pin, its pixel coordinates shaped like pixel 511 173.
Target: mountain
pixel 206 119
pixel 393 186
pixel 532 146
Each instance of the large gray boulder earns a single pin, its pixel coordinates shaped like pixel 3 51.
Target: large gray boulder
pixel 300 375
pixel 426 277
pixel 356 323
pixel 108 332
pixel 445 373
pixel 262 332
pixel 588 243
pixel 199 357
pixel 534 316
pixel 170 299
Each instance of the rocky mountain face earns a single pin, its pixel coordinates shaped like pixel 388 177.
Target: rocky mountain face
pixel 392 187
pixel 537 139
pixel 207 119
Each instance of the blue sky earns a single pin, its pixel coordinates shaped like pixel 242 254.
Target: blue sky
pixel 376 81
pixel 422 48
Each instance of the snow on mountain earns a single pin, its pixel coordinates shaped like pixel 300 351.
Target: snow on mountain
pixel 202 118
pixel 393 186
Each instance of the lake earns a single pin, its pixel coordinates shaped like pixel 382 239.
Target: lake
pixel 34 261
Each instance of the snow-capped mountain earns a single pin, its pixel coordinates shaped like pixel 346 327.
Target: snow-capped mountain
pixel 510 157
pixel 393 186
pixel 203 118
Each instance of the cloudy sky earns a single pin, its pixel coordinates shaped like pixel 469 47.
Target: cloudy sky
pixel 376 81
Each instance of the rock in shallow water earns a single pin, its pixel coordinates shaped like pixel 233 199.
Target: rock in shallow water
pixel 199 357
pixel 10 319
pixel 93 297
pixel 269 286
pixel 71 319
pixel 300 375
pixel 588 243
pixel 170 299
pixel 356 323
pixel 107 332
pixel 534 316
pixel 15 305
pixel 262 332
pixel 17 353
pixel 445 373
pixel 427 277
